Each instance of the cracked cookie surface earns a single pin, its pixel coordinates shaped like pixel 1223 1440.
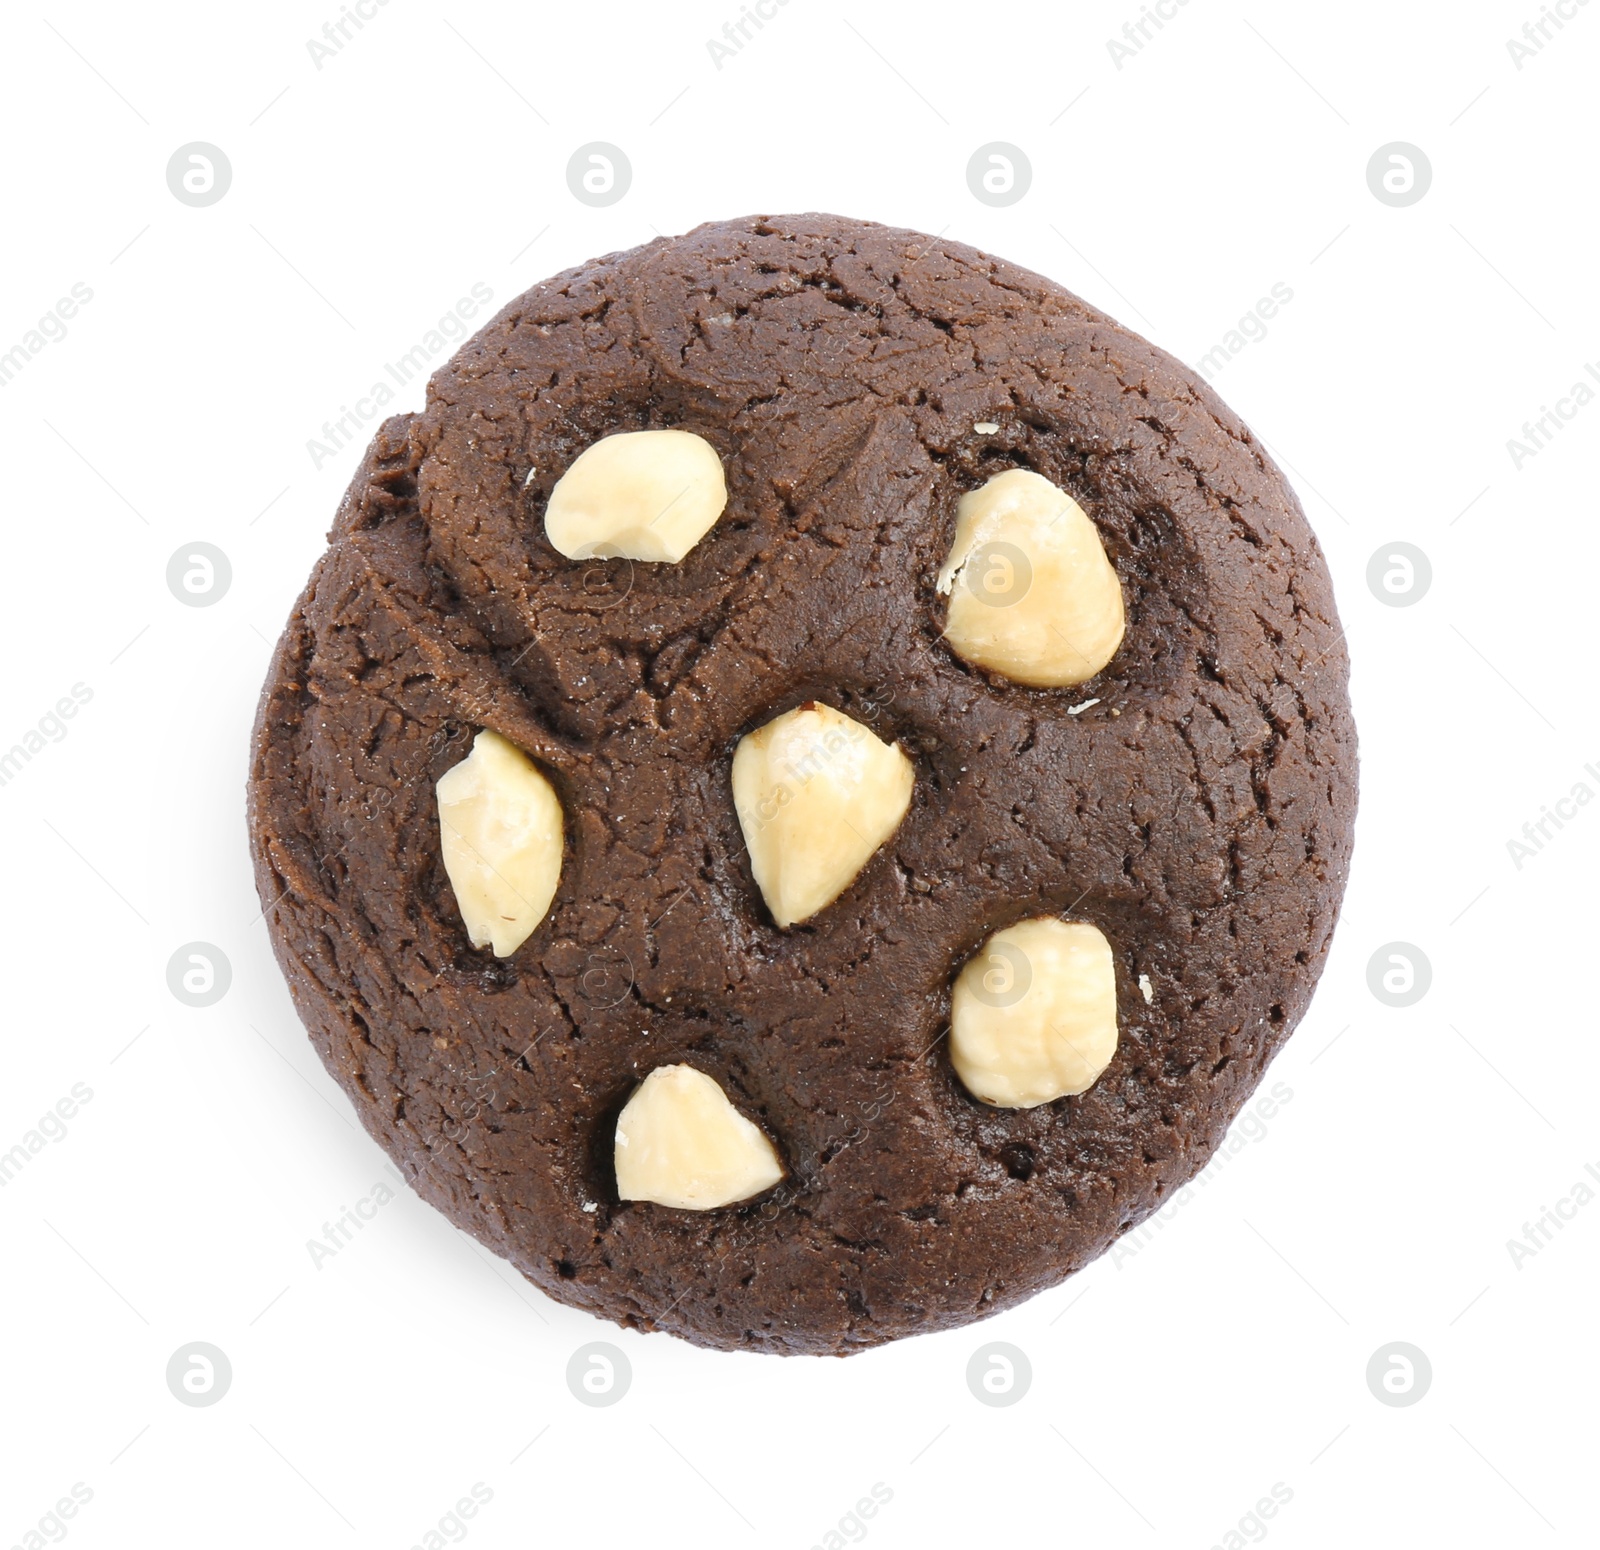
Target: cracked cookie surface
pixel 1198 812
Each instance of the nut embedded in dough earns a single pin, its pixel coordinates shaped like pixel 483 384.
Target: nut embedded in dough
pixel 817 793
pixel 1032 594
pixel 500 829
pixel 1034 1014
pixel 680 1142
pixel 637 495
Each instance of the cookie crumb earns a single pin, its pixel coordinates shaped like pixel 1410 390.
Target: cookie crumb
pixel 591 1205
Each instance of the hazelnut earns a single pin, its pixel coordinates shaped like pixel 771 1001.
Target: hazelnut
pixel 637 495
pixel 679 1142
pixel 500 829
pixel 1034 1014
pixel 1037 600
pixel 817 793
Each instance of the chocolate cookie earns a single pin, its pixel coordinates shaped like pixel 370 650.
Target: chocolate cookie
pixel 697 1076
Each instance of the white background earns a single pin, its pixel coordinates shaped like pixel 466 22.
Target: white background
pixel 1171 1390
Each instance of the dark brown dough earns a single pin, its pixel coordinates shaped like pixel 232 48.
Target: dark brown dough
pixel 1200 813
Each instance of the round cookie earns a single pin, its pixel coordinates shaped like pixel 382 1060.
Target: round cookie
pixel 1193 801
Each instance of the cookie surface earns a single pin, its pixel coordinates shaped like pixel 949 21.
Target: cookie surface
pixel 1198 813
